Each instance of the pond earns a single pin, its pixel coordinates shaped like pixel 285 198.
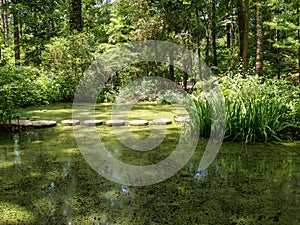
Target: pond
pixel 45 180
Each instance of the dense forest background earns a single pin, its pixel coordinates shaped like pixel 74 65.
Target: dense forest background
pixel 46 45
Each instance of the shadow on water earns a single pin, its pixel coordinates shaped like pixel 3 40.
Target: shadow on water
pixel 45 180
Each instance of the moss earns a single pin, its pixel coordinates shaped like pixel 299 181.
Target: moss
pixel 12 214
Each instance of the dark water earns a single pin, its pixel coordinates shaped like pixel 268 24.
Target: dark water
pixel 45 180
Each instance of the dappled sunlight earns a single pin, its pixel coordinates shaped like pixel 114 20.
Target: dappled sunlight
pixel 14 214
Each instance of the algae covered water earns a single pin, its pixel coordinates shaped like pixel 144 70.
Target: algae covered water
pixel 45 180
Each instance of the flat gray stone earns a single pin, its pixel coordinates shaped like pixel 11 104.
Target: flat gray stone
pixel 70 122
pixel 34 123
pixel 43 123
pixel 92 122
pixel 162 121
pixel 182 119
pixel 115 123
pixel 21 122
pixel 138 122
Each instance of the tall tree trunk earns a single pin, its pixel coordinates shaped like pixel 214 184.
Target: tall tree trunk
pixel 228 30
pixel 171 67
pixel 277 55
pixel 16 33
pixel 232 26
pixel 207 52
pixel 298 14
pixel 213 34
pixel 230 36
pixel 4 21
pixel 241 25
pixel 75 8
pixel 246 37
pixel 259 36
pixel 198 42
pixel 199 58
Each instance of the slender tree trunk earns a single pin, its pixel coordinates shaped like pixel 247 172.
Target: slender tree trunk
pixel 213 34
pixel 16 33
pixel 208 38
pixel 298 14
pixel 199 58
pixel 228 30
pixel 246 37
pixel 259 35
pixel 76 15
pixel 171 67
pixel 207 52
pixel 198 42
pixel 241 25
pixel 2 9
pixel 277 56
pixel 4 21
pixel 232 26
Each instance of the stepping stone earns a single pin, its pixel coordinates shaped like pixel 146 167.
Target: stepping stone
pixel 70 122
pixel 33 123
pixel 138 122
pixel 92 122
pixel 43 123
pixel 115 123
pixel 162 121
pixel 182 119
pixel 21 122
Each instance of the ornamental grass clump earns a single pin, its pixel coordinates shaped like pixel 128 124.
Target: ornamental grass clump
pixel 255 111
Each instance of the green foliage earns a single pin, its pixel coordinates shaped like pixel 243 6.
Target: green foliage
pixel 19 87
pixel 65 60
pixel 255 111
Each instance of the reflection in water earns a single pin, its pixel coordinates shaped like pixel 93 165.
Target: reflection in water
pixel 244 185
pixel 201 174
pixel 125 189
pixel 66 168
pixel 51 188
pixel 17 160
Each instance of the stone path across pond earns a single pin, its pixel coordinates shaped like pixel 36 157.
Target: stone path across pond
pixel 73 122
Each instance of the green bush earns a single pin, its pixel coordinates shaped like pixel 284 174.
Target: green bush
pixel 19 87
pixel 24 86
pixel 65 59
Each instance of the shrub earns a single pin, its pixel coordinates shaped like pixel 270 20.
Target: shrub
pixel 65 59
pixel 18 88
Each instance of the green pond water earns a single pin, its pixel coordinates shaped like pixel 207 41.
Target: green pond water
pixel 44 179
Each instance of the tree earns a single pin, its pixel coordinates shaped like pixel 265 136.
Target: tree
pixel 230 27
pixel 298 23
pixel 246 37
pixel 243 23
pixel 259 36
pixel 16 26
pixel 76 22
pixel 214 34
pixel 283 25
pixel 4 17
